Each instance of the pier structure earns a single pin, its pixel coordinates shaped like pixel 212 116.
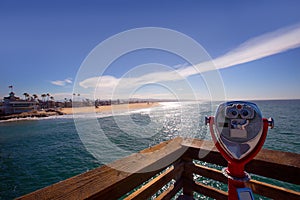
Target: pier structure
pixel 173 169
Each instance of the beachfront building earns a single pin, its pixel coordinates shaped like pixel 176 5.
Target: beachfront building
pixel 15 105
pixel 1 108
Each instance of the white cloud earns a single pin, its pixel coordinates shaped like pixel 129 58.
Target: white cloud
pixel 62 96
pixel 253 49
pixel 62 82
pixel 68 80
pixel 59 83
pixel 69 95
pixel 265 45
pixel 103 81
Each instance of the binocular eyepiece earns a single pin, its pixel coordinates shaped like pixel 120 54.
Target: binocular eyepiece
pixel 243 111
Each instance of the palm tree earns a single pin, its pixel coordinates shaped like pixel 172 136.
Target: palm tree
pixel 43 97
pixel 48 95
pixel 66 104
pixel 26 95
pixel 52 104
pixel 11 88
pixel 35 96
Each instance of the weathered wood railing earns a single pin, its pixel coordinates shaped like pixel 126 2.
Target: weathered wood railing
pixel 169 169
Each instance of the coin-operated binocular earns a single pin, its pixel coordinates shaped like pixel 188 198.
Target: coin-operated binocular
pixel 239 132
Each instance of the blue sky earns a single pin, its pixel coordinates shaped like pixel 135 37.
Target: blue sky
pixel 44 43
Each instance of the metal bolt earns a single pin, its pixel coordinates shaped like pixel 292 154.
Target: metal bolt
pixel 271 122
pixel 207 120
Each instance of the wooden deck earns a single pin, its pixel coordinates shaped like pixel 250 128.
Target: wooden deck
pixel 168 170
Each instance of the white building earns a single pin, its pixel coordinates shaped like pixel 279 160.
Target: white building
pixel 14 105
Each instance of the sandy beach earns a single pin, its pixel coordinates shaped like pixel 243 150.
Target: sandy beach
pixel 69 111
pixel 108 109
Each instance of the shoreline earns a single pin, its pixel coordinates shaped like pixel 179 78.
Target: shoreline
pixel 28 115
pixel 108 108
pixel 78 110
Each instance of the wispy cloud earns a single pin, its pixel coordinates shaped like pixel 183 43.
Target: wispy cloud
pixel 62 82
pixel 259 47
pixel 253 49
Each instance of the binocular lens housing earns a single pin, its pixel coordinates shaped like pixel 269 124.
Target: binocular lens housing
pixel 238 126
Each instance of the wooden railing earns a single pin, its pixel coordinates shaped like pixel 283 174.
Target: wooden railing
pixel 169 169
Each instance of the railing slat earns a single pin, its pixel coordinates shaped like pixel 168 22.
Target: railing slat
pixel 171 191
pixel 164 194
pixel 157 183
pixel 278 165
pixel 209 191
pixel 272 191
pixel 207 172
pixel 258 187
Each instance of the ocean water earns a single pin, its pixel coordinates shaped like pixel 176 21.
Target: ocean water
pixel 39 152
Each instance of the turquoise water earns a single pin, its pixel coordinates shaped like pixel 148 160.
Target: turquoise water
pixel 40 152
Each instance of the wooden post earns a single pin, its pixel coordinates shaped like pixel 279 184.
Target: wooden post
pixel 188 182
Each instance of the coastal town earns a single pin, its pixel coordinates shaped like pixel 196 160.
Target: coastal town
pixel 45 105
pixel 13 106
